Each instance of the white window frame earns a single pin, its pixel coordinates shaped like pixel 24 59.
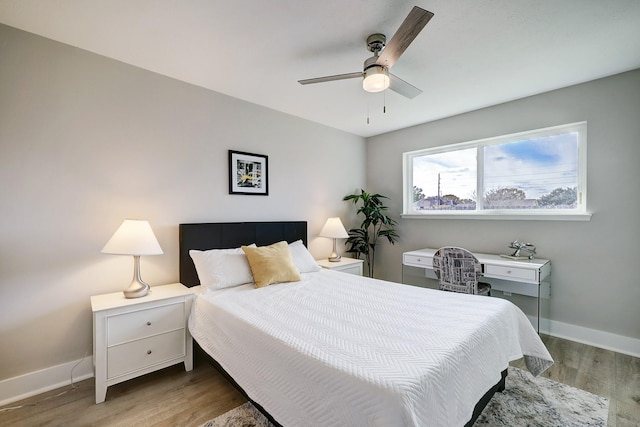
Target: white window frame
pixel 577 214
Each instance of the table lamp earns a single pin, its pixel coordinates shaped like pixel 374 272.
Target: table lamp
pixel 134 237
pixel 334 229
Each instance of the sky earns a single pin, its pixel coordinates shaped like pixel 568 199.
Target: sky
pixel 537 166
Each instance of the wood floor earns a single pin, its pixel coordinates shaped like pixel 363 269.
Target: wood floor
pixel 605 373
pixel 172 397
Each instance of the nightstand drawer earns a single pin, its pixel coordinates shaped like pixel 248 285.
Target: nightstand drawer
pixel 144 323
pixel 132 356
pixel 510 273
pixel 345 265
pixel 352 269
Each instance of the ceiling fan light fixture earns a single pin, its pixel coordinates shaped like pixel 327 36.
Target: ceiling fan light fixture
pixel 376 79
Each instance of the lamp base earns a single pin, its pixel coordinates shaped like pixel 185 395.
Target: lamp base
pixel 138 288
pixel 334 257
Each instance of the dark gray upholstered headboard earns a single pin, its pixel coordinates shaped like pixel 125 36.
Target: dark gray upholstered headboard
pixel 224 235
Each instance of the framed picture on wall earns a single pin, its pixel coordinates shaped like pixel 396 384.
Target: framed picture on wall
pixel 248 173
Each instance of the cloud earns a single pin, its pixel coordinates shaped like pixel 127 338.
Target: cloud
pixel 537 166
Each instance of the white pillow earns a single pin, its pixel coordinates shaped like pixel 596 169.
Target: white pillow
pixel 302 258
pixel 222 268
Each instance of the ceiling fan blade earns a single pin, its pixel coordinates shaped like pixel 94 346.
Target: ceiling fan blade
pixel 408 31
pixel 330 78
pixel 405 89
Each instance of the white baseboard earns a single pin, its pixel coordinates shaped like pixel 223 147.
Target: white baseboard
pixel 592 337
pixel 33 383
pixel 595 338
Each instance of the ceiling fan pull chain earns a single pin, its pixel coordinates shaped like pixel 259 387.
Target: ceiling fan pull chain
pixel 384 102
pixel 367 112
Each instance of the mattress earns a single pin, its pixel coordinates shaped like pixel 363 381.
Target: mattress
pixel 340 349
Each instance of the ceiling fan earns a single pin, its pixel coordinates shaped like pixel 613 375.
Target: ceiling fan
pixel 376 68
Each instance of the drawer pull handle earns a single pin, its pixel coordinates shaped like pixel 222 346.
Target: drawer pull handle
pixel 148 351
pixel 148 323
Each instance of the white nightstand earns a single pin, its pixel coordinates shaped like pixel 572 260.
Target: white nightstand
pixel 132 337
pixel 346 265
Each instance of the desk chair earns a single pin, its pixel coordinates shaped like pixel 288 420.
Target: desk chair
pixel 458 271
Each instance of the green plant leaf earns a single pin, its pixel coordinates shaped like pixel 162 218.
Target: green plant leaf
pixel 375 224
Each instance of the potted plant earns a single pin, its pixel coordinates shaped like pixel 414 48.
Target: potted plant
pixel 376 224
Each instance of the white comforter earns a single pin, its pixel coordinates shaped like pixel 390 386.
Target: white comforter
pixel 342 350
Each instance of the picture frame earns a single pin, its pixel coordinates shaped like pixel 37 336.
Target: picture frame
pixel 248 173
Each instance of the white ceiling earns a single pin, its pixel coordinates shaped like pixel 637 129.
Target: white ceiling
pixel 472 53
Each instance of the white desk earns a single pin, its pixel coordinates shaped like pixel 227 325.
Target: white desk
pixel 520 277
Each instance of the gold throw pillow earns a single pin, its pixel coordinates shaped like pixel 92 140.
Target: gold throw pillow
pixel 271 264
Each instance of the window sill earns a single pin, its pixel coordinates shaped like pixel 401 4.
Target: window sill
pixel 524 216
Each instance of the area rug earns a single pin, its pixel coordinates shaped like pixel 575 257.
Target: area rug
pixel 526 402
pixel 537 401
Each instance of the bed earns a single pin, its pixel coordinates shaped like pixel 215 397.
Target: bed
pixel 338 349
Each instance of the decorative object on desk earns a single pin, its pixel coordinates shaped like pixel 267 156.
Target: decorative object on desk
pixel 334 229
pixel 248 173
pixel 134 237
pixel 375 224
pixel 519 247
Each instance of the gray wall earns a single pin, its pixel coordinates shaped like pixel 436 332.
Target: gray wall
pixel 86 142
pixel 595 281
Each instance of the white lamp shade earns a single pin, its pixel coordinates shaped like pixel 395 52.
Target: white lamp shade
pixel 376 79
pixel 133 237
pixel 334 229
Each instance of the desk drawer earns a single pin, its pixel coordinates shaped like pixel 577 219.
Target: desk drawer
pixel 511 273
pixel 130 357
pixel 144 323
pixel 418 261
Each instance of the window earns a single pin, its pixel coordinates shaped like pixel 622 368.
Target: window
pixel 540 173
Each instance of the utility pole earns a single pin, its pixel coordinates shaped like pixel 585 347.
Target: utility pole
pixel 439 201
